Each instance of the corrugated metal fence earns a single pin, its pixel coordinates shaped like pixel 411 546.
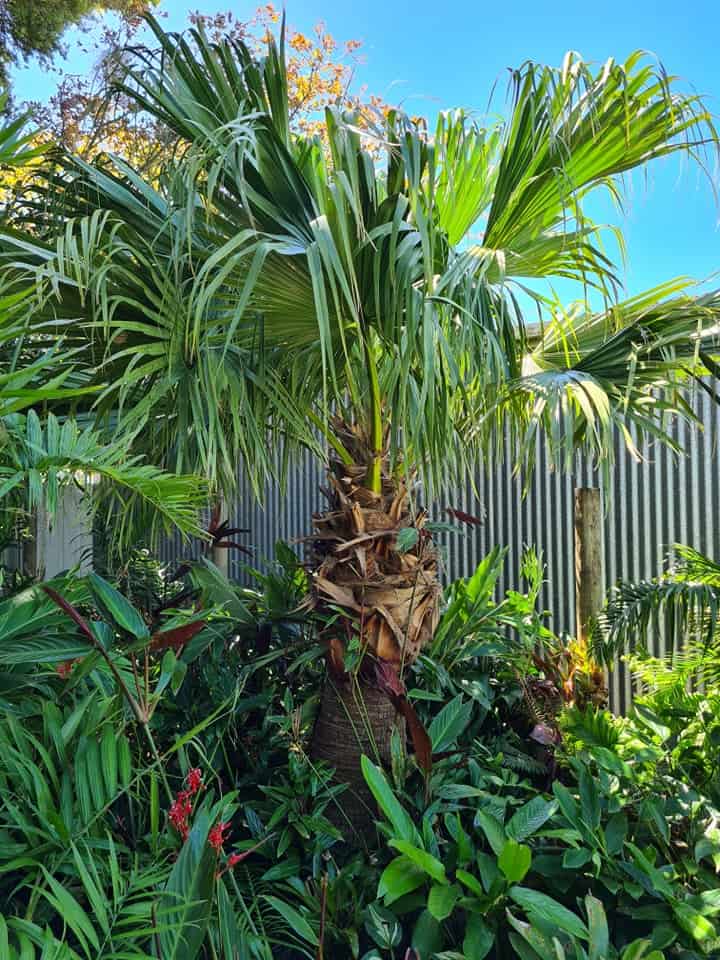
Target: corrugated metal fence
pixel 649 506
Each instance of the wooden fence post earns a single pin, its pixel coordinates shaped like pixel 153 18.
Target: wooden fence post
pixel 589 585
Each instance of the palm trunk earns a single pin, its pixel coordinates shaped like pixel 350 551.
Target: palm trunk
pixel 373 560
pixel 355 718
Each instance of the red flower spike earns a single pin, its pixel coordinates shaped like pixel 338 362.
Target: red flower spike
pixel 194 780
pixel 216 836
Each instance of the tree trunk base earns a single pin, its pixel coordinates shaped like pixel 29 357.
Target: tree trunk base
pixel 354 719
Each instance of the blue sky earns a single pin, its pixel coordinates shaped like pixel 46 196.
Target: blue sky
pixel 434 55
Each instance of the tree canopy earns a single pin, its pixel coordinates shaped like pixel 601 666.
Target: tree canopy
pixel 27 31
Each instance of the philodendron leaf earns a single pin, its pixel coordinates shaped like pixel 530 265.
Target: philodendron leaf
pixel 184 908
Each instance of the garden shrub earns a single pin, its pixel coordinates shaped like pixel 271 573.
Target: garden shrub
pixel 187 820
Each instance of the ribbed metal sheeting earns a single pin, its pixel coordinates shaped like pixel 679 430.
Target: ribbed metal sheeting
pixel 649 506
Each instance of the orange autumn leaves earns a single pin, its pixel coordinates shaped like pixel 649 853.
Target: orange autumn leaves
pixel 321 71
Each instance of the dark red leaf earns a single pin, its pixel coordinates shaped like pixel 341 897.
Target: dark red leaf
pixel 464 517
pixel 231 544
pixel 389 682
pixel 418 733
pixel 176 637
pixel 387 679
pixel 214 519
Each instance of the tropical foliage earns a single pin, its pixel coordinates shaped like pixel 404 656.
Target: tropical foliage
pixel 273 287
pixel 242 296
pixel 357 286
pixel 157 798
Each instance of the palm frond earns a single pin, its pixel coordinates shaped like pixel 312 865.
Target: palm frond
pixel 677 609
pixel 622 370
pixel 269 281
pixel 44 457
pixel 17 145
pixel 573 130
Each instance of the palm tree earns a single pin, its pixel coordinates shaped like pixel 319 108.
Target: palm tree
pixel 272 288
pixel 40 454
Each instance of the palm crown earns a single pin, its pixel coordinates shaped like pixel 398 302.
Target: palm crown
pixel 269 281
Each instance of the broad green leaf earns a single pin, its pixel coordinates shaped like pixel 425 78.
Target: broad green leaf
pixel 389 804
pixel 530 817
pixel 531 943
pixel 514 861
pixel 427 936
pixel 449 723
pixel 597 928
pixel 113 605
pixel 589 800
pixel 574 859
pixel 442 899
pixel 425 861
pixel 538 904
pixel 638 950
pixel 479 938
pixel 471 882
pixel 399 877
pixel 493 830
pixel 693 922
pixel 615 832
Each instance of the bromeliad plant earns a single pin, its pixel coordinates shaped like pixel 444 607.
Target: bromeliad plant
pixel 274 288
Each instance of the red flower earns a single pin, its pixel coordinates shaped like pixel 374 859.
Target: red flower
pixel 234 859
pixel 194 780
pixel 215 837
pixel 182 807
pixel 179 813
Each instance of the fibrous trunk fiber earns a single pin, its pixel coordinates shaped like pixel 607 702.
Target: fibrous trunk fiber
pixel 374 562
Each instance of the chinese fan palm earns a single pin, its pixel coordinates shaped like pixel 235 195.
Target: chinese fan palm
pixel 272 288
